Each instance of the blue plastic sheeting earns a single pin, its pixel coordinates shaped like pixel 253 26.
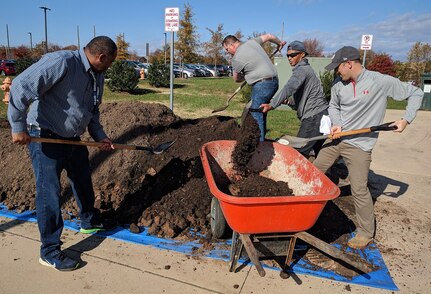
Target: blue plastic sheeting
pixel 378 279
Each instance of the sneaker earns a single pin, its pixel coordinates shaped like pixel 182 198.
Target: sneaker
pixel 59 261
pixel 105 225
pixel 359 242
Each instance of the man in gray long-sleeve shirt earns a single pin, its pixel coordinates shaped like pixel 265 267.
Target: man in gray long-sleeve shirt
pixel 358 101
pixel 308 97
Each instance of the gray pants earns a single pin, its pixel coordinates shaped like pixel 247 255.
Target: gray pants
pixel 358 164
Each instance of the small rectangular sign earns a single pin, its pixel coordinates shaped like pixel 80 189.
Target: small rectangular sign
pixel 366 42
pixel 172 19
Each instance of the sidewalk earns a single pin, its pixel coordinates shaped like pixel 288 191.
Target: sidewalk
pixel 112 266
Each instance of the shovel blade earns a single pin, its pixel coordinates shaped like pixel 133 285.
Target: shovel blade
pixel 163 147
pixel 294 142
pixel 220 109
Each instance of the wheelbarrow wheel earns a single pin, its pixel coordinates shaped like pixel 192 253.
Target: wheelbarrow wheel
pixel 219 226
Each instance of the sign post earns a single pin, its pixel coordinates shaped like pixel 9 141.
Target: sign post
pixel 366 43
pixel 172 23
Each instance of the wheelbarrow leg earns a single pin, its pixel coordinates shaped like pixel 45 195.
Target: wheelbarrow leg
pixel 290 249
pixel 252 254
pixel 235 251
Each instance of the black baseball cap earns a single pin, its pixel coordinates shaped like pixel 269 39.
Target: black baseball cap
pixel 342 55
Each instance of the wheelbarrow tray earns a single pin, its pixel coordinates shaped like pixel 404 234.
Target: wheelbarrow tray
pixel 256 215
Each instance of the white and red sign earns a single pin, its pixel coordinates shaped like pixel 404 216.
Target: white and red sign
pixel 366 42
pixel 172 19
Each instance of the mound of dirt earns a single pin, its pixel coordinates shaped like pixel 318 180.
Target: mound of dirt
pixel 166 193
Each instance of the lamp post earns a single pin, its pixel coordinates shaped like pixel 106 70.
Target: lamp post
pixel 165 48
pixel 31 42
pixel 46 30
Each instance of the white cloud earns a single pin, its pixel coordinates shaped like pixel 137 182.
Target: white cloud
pixel 394 36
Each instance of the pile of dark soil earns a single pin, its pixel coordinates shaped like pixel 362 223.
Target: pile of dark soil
pixel 166 193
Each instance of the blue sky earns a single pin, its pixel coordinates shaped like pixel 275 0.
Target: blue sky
pixel 395 24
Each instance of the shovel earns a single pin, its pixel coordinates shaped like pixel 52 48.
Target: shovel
pixel 230 98
pixel 297 142
pixel 237 90
pixel 156 150
pixel 248 109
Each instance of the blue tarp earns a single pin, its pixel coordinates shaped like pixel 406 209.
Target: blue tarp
pixel 379 279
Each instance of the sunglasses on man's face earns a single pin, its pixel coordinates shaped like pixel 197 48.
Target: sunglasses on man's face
pixel 293 54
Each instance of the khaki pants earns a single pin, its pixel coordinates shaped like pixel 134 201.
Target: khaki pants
pixel 358 164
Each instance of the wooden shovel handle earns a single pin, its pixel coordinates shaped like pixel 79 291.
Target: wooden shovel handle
pixel 383 127
pixel 82 143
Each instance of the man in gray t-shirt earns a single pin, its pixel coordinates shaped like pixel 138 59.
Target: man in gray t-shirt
pixel 251 63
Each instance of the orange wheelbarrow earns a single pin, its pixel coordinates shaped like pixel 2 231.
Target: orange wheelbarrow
pixel 252 217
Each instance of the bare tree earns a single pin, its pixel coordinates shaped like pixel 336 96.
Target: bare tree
pixel 214 48
pixel 313 47
pixel 269 47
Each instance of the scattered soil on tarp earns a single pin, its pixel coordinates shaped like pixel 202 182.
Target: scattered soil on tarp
pixel 168 192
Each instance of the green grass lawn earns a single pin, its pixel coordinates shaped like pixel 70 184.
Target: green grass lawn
pixel 197 97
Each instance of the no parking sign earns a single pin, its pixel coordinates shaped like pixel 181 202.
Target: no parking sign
pixel 366 42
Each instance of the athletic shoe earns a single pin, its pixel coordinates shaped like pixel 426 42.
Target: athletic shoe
pixel 59 261
pixel 105 225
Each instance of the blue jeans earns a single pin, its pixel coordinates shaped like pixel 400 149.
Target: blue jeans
pixel 48 162
pixel 262 92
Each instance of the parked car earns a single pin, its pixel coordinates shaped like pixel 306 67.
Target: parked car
pixel 214 72
pixel 7 67
pixel 135 65
pixel 145 66
pixel 223 70
pixel 205 72
pixel 184 72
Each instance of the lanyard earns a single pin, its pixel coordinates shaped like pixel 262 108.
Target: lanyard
pixel 95 92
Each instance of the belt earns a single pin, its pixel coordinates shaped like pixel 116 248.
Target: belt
pixel 46 133
pixel 266 79
pixel 31 128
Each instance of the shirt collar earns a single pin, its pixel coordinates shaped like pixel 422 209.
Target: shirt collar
pixel 303 62
pixel 84 60
pixel 361 75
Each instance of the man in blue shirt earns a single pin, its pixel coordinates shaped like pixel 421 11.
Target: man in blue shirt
pixel 59 97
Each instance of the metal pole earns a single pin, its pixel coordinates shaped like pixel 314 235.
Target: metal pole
pixel 172 73
pixel 365 56
pixel 165 47
pixel 8 46
pixel 46 28
pixel 31 41
pixel 77 31
pixel 94 31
